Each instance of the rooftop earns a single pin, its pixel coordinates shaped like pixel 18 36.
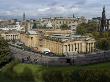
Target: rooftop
pixel 31 32
pixel 63 38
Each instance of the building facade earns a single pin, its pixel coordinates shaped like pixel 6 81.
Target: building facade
pixel 30 39
pixel 76 45
pixel 10 35
pixel 56 22
pixel 59 44
pixel 8 27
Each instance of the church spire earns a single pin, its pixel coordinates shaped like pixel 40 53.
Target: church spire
pixel 24 17
pixel 73 16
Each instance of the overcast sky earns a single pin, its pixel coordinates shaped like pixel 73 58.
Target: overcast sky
pixel 45 8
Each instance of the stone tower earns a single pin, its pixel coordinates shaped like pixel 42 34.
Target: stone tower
pixel 104 26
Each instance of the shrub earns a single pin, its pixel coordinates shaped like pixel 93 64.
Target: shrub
pixel 52 76
pixel 26 75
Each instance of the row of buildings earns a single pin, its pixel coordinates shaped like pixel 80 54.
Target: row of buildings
pixel 65 43
pixel 59 43
pixel 56 22
pixel 53 39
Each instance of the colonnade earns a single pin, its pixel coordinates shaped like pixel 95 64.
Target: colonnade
pixel 11 37
pixel 79 47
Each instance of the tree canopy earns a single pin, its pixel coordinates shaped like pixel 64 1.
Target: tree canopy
pixel 102 38
pixel 4 51
pixel 89 27
pixel 34 26
pixel 64 27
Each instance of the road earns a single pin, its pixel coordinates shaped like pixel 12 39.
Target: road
pixel 27 56
pixel 31 57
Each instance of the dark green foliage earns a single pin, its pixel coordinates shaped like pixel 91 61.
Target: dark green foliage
pixel 95 73
pixel 4 51
pixel 102 39
pixel 26 75
pixel 8 71
pixel 103 44
pixel 84 28
pixel 64 27
pixel 52 76
pixel 34 26
pixel 77 76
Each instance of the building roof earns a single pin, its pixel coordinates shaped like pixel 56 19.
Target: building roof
pixel 31 32
pixel 64 38
pixel 49 25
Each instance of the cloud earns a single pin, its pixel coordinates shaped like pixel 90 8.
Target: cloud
pixel 45 8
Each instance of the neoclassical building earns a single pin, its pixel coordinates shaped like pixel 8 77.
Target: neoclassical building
pixel 10 35
pixel 30 39
pixel 63 44
pixel 58 43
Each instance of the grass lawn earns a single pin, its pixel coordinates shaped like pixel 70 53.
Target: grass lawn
pixel 38 69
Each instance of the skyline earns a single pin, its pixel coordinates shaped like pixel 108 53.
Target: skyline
pixel 51 8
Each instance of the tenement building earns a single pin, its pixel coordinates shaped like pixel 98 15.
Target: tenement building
pixel 56 22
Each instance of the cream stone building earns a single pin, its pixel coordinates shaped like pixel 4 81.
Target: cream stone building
pixel 30 39
pixel 77 44
pixel 56 22
pixel 10 35
pixel 59 44
pixel 55 31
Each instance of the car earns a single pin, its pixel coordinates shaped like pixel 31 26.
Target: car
pixel 51 54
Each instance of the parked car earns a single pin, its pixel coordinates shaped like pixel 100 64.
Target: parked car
pixel 49 53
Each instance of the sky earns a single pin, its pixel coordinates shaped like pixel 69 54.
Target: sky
pixel 51 8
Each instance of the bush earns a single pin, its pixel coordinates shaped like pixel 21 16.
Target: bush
pixel 52 76
pixel 8 71
pixel 103 44
pixel 26 75
pixel 85 75
pixel 4 52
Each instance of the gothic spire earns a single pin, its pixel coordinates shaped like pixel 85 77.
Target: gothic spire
pixel 103 20
pixel 73 16
pixel 24 17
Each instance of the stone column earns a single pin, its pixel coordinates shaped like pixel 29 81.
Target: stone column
pixel 13 36
pixel 93 47
pixel 79 47
pixel 72 47
pixel 87 47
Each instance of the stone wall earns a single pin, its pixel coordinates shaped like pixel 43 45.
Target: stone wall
pixel 92 58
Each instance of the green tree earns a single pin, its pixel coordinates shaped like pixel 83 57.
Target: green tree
pixel 52 76
pixel 89 27
pixel 26 75
pixel 34 26
pixel 92 27
pixel 103 44
pixel 64 27
pixel 4 51
pixel 81 29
